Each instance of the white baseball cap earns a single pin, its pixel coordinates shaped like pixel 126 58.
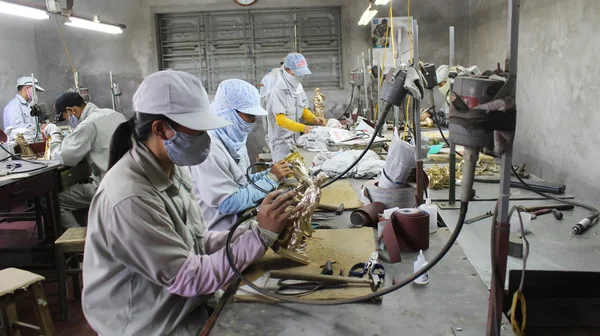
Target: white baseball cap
pixel 442 73
pixel 179 96
pixel 26 80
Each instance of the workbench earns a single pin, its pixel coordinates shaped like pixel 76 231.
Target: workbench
pixel 453 303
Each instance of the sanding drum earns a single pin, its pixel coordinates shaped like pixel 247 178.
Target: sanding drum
pixel 407 231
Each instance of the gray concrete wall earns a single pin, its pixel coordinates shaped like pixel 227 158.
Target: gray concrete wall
pixel 19 55
pixel 557 87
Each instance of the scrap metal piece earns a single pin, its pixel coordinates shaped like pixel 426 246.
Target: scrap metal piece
pixel 478 218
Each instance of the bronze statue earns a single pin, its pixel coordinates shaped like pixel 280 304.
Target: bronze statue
pixel 292 240
pixel 318 100
pixel 26 151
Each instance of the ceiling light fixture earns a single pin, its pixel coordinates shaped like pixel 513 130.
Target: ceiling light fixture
pixel 367 15
pixel 381 2
pixel 24 11
pixel 94 25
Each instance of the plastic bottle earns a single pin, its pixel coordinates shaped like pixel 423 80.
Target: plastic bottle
pixel 418 265
pixel 432 211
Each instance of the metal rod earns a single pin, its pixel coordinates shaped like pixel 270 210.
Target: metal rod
pixel 291 275
pixel 503 226
pixel 112 93
pixel 364 69
pixel 452 174
pixel 417 121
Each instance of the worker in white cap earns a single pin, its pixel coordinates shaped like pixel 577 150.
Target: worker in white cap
pixel 442 74
pixel 92 128
pixel 17 112
pixel 287 103
pixel 220 184
pixel 149 266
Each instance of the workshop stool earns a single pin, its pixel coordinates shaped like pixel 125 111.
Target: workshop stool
pixel 15 284
pixel 68 248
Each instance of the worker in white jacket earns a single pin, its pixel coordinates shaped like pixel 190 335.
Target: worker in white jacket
pixel 92 129
pixel 17 112
pixel 220 184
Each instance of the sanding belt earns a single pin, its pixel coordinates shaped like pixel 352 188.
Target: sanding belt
pixel 367 215
pixel 407 231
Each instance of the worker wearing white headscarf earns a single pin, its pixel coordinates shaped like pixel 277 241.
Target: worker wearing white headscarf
pixel 287 103
pixel 150 267
pixel 220 184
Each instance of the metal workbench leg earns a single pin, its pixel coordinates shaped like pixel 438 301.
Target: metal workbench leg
pixel 59 257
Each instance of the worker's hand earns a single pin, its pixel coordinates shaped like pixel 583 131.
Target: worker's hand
pixel 321 121
pixel 51 129
pixel 281 169
pixel 307 129
pixel 272 214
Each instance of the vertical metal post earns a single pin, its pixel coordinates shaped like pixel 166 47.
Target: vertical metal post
pixel 500 246
pixel 417 120
pixel 452 174
pixel 364 70
pixel 112 93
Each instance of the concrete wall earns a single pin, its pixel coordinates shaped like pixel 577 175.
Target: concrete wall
pixel 557 87
pixel 19 55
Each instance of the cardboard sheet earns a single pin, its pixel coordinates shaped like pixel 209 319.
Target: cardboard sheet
pixel 340 191
pixel 345 246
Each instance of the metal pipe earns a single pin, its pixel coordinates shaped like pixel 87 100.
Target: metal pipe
pixel 417 121
pixel 503 226
pixel 452 156
pixel 112 93
pixel 364 69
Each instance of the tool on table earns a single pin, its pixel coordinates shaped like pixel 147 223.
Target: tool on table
pixel 316 225
pixel 557 214
pixel 328 267
pixel 305 287
pixel 540 207
pixel 12 166
pixel 358 134
pixel 535 214
pixel 291 275
pixel 340 210
pixel 478 218
pixel 581 227
pixel 375 270
pixel 521 171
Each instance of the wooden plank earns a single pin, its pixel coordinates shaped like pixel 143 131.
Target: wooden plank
pixel 339 192
pixel 12 318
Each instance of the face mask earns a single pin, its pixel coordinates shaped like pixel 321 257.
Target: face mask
pixel 73 120
pixel 291 80
pixel 29 92
pixel 187 150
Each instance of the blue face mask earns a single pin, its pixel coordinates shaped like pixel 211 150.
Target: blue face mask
pixel 187 150
pixel 73 121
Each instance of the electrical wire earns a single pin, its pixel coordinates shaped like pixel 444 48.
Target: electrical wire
pixel 349 104
pixel 14 157
pixel 461 218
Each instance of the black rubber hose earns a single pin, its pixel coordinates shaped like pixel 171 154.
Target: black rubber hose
pixel 250 180
pixel 408 280
pixel 349 104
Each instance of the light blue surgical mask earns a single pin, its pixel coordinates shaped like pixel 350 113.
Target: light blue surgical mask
pixel 73 121
pixel 187 150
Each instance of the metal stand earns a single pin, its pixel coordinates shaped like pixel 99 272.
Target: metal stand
pixel 500 244
pixel 416 119
pixel 452 156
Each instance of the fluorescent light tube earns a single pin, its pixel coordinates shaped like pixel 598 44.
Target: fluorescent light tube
pixel 93 25
pixel 382 2
pixel 24 11
pixel 367 16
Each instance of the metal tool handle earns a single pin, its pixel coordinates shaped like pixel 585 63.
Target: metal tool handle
pixel 317 277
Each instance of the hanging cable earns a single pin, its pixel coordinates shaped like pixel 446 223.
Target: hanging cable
pixel 65 45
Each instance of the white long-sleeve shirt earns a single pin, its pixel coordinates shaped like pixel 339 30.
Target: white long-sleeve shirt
pixel 89 140
pixel 17 113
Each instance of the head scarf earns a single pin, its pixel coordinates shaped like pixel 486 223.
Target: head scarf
pixel 231 95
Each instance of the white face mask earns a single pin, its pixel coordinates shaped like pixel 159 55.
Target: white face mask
pixel 291 80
